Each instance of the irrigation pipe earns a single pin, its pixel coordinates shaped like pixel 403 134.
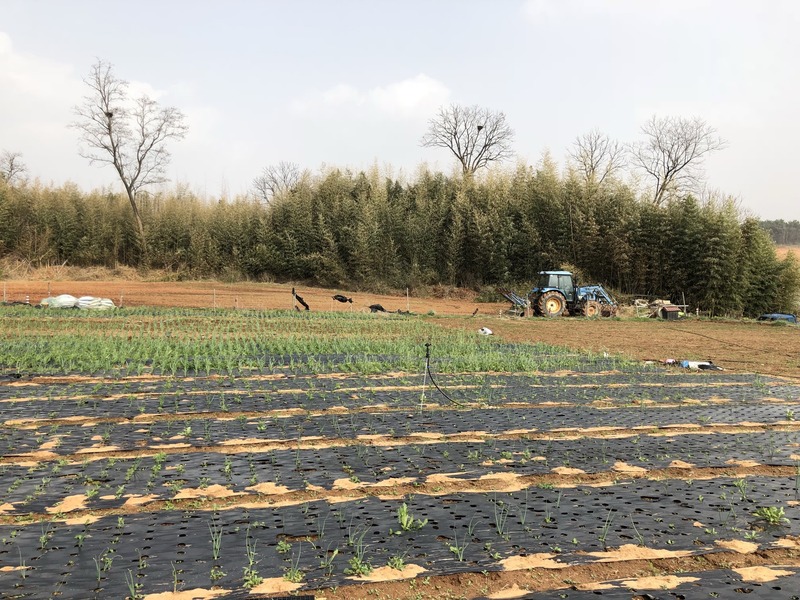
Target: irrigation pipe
pixel 433 381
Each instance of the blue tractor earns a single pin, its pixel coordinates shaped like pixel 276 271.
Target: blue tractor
pixel 556 294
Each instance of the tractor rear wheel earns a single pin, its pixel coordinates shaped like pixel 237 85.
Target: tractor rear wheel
pixel 552 304
pixel 591 308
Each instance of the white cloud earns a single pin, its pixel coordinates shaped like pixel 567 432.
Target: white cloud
pixel 413 97
pixel 31 76
pixel 137 89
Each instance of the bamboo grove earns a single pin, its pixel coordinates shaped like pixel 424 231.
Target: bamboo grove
pixel 368 231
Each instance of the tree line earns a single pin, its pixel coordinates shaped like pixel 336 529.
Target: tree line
pixel 784 233
pixel 368 231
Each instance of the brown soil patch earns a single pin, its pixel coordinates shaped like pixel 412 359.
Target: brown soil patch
pixel 136 500
pixel 513 592
pixel 275 585
pixel 69 504
pixel 195 594
pixel 269 489
pixel 389 574
pixel 531 561
pixel 665 582
pixel 623 467
pixel 737 546
pixel 761 574
pixel 212 491
pixel 567 471
pixel 634 552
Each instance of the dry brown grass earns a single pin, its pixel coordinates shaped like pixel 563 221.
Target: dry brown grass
pixel 782 251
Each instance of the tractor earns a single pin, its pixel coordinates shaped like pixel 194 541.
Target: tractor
pixel 557 294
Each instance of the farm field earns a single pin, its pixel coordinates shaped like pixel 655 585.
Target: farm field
pixel 739 346
pixel 179 453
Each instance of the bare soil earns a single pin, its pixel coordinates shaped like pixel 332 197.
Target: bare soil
pixel 734 345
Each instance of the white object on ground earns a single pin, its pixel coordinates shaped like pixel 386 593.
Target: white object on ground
pixel 84 302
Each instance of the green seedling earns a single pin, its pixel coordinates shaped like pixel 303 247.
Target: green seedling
pixel 772 515
pixel 407 521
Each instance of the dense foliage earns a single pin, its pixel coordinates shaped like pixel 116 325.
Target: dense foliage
pixel 365 230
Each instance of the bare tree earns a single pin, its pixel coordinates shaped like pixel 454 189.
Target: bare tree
pixel 130 136
pixel 276 179
pixel 672 153
pixel 597 156
pixel 11 166
pixel 476 136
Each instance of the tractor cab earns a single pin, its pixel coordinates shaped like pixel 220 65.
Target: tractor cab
pixel 556 280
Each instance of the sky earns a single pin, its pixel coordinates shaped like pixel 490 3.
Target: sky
pixel 354 83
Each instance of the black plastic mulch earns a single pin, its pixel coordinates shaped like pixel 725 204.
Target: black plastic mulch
pixel 463 532
pixel 723 585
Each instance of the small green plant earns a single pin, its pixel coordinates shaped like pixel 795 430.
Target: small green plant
pixel 458 548
pixel 501 512
pixel 251 576
pixel 772 515
pixel 493 554
pixel 326 561
pixel 407 521
pixel 23 568
pixel 397 562
pixel 358 563
pixel 606 526
pixel 133 588
pixel 639 536
pixel 216 538
pixel 358 567
pixel 216 573
pixel 45 537
pixel 741 485
pixel 283 547
pixel 293 573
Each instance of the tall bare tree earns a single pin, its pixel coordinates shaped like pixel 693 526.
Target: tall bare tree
pixel 131 136
pixel 11 166
pixel 476 136
pixel 672 153
pixel 276 179
pixel 597 156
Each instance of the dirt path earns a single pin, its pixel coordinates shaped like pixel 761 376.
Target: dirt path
pixel 739 346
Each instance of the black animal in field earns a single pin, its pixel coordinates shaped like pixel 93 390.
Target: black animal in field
pixel 376 308
pixel 300 300
pixel 343 299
